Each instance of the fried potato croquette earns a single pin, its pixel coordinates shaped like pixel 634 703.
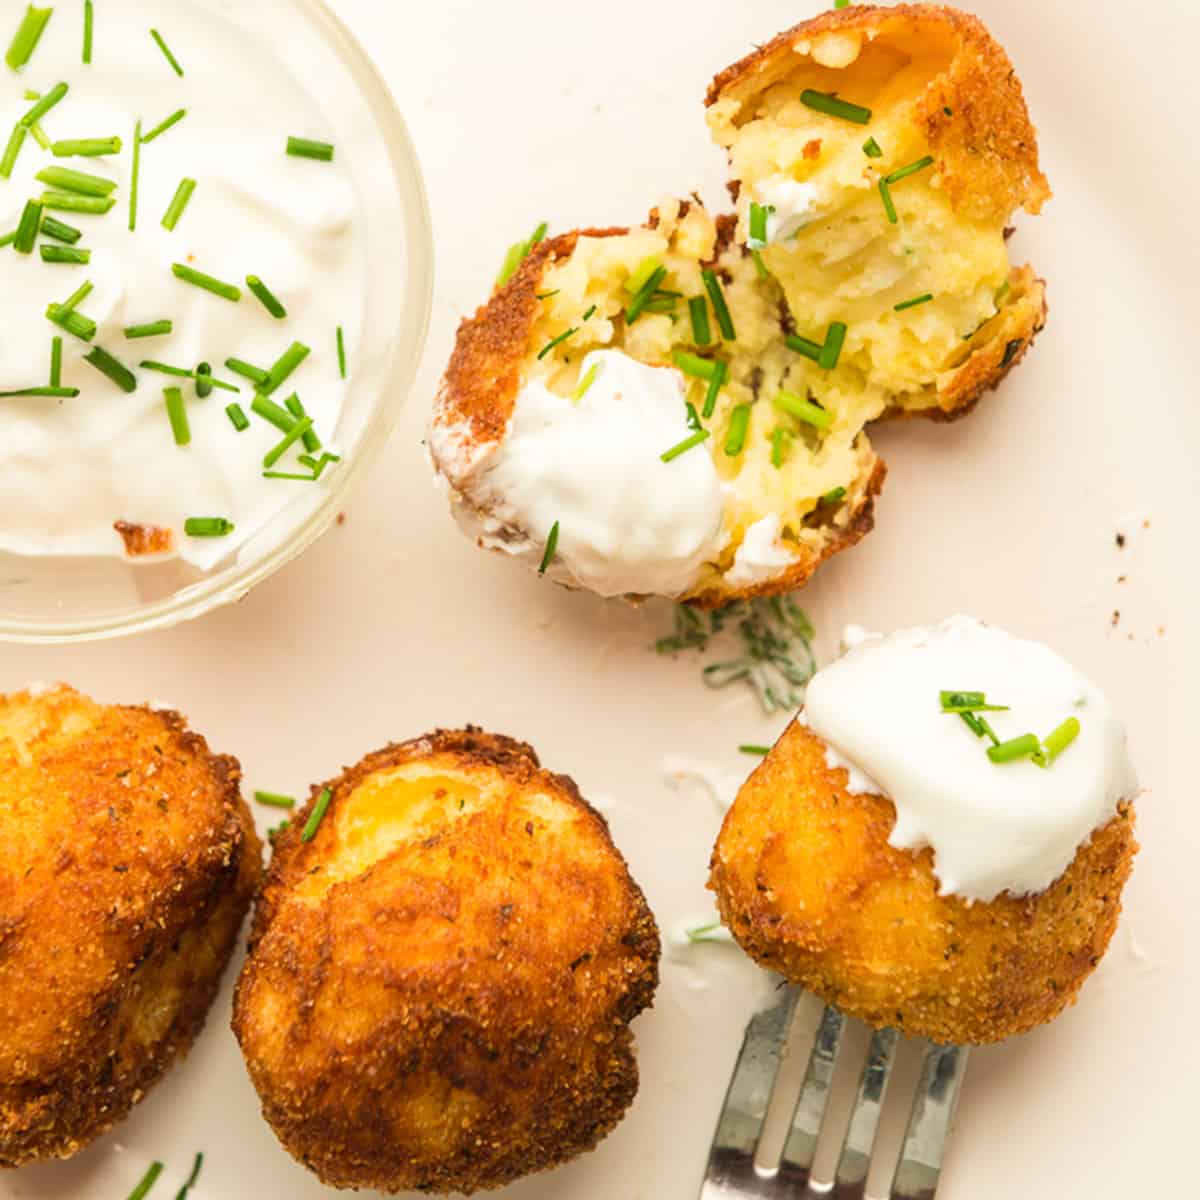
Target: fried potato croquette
pixel 837 316
pixel 127 863
pixel 808 885
pixel 440 982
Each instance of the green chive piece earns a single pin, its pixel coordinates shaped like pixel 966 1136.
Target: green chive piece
pixel 318 815
pixel 911 169
pixel 8 238
pixel 293 435
pixel 759 265
pixel 758 224
pixel 693 418
pixel 341 351
pixel 179 203
pixel 28 34
pixel 694 365
pixel 56 356
pixel 163 126
pixel 135 176
pixel 644 295
pixel 304 148
pixel 558 341
pixel 973 723
pixel 190 1182
pixel 832 106
pixel 780 440
pixel 953 702
pixel 227 291
pixel 803 345
pixel 39 136
pixel 148 1181
pixel 701 435
pixel 831 352
pixel 27 227
pixel 585 383
pixel 1014 749
pixel 715 384
pixel 310 437
pixel 69 255
pixel 89 26
pixel 45 103
pixel 208 527
pixel 237 417
pixel 177 415
pixel 761 751
pixel 636 282
pixel 272 412
pixel 264 293
pixel 74 323
pixel 518 252
pixel 151 329
pixel 803 410
pixel 841 3
pixel 274 800
pixel 872 149
pixel 916 300
pixel 701 330
pixel 660 304
pixel 183 373
pixel 256 375
pixel 293 475
pixel 60 231
pixel 117 371
pixel 78 296
pixel 78 182
pixel 551 549
pixel 204 381
pixel 889 205
pixel 95 206
pixel 1060 739
pixel 587 316
pixel 834 495
pixel 739 424
pixel 53 390
pixel 12 149
pixel 286 364
pixel 162 45
pixel 712 285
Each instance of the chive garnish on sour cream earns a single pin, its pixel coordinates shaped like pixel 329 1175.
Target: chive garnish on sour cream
pixel 268 299
pixel 116 370
pixel 162 45
pixel 28 34
pixel 237 418
pixel 95 206
pixel 53 391
pixel 306 148
pixel 12 149
pixel 66 179
pixel 178 205
pixel 208 527
pixel 150 329
pixel 341 351
pixel 285 365
pixel 701 435
pixel 68 255
pixel 44 104
pixel 177 415
pixel 86 147
pixel 89 29
pixel 163 126
pixel 227 291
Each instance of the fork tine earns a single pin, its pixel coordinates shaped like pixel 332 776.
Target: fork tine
pixel 854 1163
pixel 731 1160
pixel 920 1165
pixel 795 1168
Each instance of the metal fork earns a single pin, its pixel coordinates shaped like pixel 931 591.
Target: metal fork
pixel 732 1173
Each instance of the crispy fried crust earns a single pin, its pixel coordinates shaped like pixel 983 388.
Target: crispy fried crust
pixel 809 886
pixel 448 1010
pixel 127 864
pixel 985 144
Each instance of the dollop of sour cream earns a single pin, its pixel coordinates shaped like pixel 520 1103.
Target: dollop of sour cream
pixel 627 521
pixel 762 554
pixel 790 205
pixel 1011 827
pixel 71 468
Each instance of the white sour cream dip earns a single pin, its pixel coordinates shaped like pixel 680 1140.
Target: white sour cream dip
pixel 790 205
pixel 71 468
pixel 992 827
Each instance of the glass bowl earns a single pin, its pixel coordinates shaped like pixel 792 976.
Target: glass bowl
pixel 62 599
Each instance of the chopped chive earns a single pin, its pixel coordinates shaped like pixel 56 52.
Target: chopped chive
pixel 264 294
pixel 162 45
pixel 831 352
pixel 59 230
pixel 759 265
pixel 953 702
pixel 889 205
pixel 834 495
pixel 53 390
pixel 163 126
pixel 8 238
pixel 712 285
pixel 317 465
pixel 190 1182
pixel 841 3
pixel 551 549
pixel 1001 292
pixel 832 106
pixel 226 291
pixel 698 311
pixel 1014 749
pixel 272 412
pixel 739 424
pixel 65 179
pixel 183 373
pixel 152 329
pixel 659 303
pixel 95 206
pixel 294 475
pixel 911 169
pixel 803 410
pixel 779 445
pixel 256 375
pixel 116 370
pixel 547 295
pixel 27 227
pixel 179 202
pixel 761 751
pixel 694 365
pixel 518 252
pixel 562 337
pixel 39 136
pixel 177 415
pixel 285 365
pixel 871 148
pixel 74 323
pixel 318 815
pixel 701 435
pixel 715 384
pixel 586 382
pixel 69 255
pixel 208 527
pixel 643 296
pixel 148 1181
pixel 89 24
pixel 587 316
pixel 56 357
pixel 1055 743
pixel 1011 350
pixel 914 302
pixel 44 105
pixel 274 800
pixel 78 296
pixel 758 224
pixel 237 417
pixel 204 380
pixel 972 722
pixel 86 147
pixel 341 351
pixel 293 435
pixel 304 148
pixel 646 269
pixel 135 175
pixel 28 34
pixel 310 437
pixel 693 418
pixel 9 159
pixel 803 345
